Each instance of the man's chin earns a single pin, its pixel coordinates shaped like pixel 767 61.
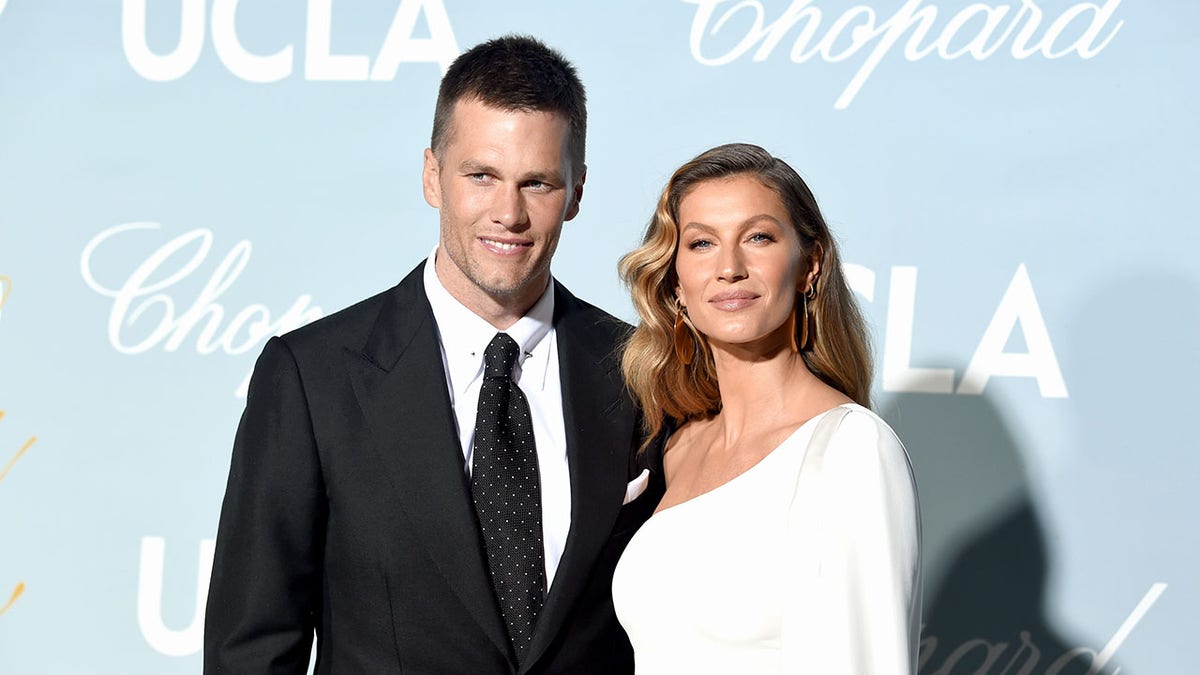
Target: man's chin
pixel 508 288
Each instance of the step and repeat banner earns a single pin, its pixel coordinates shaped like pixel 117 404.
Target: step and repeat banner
pixel 181 179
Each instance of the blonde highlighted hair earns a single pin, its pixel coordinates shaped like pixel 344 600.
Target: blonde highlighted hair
pixel 838 351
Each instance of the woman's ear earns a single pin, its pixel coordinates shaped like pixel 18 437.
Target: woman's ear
pixel 814 269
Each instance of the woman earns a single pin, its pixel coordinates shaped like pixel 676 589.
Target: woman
pixel 787 539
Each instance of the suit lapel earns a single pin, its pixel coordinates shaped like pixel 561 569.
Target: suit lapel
pixel 401 386
pixel 598 453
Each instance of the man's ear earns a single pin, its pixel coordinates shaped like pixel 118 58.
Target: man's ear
pixel 576 195
pixel 430 182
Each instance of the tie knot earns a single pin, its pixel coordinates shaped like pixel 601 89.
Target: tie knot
pixel 499 357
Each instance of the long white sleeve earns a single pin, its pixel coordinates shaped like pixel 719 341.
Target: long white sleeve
pixel 853 604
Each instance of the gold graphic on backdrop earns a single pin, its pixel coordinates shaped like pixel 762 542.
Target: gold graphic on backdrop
pixel 20 587
pixel 5 282
pixel 5 289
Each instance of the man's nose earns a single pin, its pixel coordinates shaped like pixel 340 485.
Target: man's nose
pixel 508 208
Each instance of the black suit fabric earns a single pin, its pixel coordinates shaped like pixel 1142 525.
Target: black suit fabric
pixel 348 512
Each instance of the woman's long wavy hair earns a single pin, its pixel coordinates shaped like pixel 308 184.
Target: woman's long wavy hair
pixel 838 351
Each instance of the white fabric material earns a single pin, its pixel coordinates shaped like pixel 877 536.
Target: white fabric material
pixel 636 487
pixel 784 570
pixel 463 336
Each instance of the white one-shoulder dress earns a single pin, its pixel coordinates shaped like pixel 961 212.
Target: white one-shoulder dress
pixel 806 563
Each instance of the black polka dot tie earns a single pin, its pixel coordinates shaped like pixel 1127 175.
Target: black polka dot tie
pixel 507 493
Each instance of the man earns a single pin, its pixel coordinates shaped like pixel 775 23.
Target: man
pixel 441 478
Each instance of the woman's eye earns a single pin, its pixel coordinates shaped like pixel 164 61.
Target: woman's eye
pixel 700 244
pixel 759 237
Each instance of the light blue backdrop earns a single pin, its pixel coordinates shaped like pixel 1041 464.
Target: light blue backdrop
pixel 1009 184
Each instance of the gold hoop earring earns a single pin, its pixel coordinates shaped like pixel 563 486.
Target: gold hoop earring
pixel 807 330
pixel 685 344
pixel 793 326
pixel 804 326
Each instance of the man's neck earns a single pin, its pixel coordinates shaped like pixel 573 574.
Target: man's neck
pixel 501 311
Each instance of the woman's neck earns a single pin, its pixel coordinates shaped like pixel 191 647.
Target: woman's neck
pixel 764 388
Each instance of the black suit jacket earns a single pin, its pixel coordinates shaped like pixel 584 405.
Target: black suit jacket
pixel 348 513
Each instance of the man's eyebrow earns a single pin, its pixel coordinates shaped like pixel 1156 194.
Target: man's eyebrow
pixel 472 166
pixel 545 176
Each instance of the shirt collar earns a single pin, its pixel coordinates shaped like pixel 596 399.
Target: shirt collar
pixel 465 335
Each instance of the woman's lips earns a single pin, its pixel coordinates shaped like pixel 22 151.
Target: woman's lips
pixel 732 301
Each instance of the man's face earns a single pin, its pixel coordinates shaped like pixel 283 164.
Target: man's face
pixel 503 184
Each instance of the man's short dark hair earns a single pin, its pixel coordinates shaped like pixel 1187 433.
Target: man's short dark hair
pixel 514 73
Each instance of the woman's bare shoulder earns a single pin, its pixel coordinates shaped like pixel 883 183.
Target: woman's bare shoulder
pixel 681 439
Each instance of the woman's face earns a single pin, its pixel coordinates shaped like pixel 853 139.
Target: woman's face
pixel 739 263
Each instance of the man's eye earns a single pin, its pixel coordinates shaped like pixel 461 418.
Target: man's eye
pixel 537 185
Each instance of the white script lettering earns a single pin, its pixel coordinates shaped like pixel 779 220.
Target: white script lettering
pixel 978 30
pixel 142 296
pixel 1026 655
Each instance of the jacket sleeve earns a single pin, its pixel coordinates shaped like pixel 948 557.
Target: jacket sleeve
pixel 853 605
pixel 264 599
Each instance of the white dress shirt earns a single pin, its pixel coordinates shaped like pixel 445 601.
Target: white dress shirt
pixel 463 337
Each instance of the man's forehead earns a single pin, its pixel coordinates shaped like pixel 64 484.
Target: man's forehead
pixel 474 106
pixel 493 131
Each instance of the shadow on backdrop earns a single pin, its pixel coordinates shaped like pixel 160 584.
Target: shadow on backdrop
pixel 1130 356
pixel 985 552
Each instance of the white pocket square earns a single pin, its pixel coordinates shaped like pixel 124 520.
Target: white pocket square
pixel 636 487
